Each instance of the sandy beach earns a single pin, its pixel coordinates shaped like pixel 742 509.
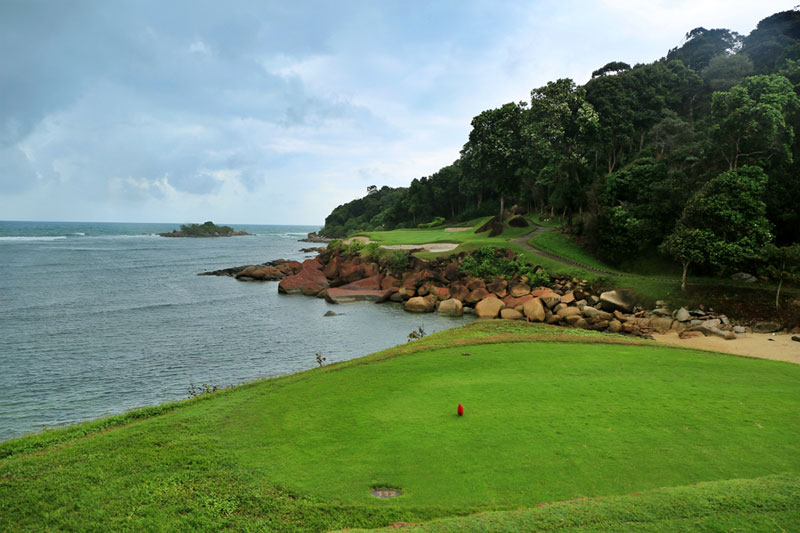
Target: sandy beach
pixel 776 346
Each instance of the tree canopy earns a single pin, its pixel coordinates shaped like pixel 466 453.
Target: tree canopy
pixel 640 158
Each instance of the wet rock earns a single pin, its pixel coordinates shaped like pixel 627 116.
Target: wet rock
pixel 310 280
pixel 511 314
pixel 621 300
pixel 565 312
pixel 459 291
pixel 489 308
pixel 419 304
pixel 534 310
pixel 594 314
pixel 340 295
pixel 512 302
pixel 682 315
pixel 451 307
pixel 582 324
pixel 518 290
pixel 476 296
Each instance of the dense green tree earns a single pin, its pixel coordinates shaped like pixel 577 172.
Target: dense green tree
pixel 614 100
pixel 494 150
pixel 639 205
pixel 725 71
pixel 615 67
pixel 701 45
pixel 724 225
pixel 559 138
pixel 766 44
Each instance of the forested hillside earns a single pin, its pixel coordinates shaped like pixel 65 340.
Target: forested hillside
pixel 695 155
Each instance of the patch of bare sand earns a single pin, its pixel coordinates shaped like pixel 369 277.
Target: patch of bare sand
pixel 359 238
pixel 430 247
pixel 453 230
pixel 779 347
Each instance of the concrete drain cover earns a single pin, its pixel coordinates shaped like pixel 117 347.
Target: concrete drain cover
pixel 387 493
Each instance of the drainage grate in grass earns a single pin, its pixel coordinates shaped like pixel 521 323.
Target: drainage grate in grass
pixel 386 493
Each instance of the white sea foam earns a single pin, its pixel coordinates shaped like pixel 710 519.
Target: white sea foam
pixel 24 238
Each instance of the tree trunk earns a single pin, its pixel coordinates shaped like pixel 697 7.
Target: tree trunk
pixel 683 278
pixel 502 205
pixel 778 294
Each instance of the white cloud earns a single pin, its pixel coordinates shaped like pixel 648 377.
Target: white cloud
pixel 153 111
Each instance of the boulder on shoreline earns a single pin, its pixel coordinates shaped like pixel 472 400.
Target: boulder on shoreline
pixel 425 286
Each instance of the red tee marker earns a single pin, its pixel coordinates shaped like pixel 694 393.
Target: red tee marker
pixel 460 410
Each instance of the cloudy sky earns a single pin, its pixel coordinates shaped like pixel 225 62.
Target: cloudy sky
pixel 269 112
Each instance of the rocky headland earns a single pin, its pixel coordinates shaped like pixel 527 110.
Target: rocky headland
pixel 442 286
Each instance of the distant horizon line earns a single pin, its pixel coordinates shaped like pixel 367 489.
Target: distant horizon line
pixel 131 222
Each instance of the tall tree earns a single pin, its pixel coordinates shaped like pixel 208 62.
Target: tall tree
pixel 559 137
pixel 749 122
pixel 614 100
pixel 724 224
pixel 783 263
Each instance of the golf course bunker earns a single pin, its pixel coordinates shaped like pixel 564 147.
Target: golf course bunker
pixel 430 247
pixel 454 230
pixel 384 492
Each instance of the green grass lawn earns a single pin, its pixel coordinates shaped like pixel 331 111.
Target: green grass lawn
pixel 562 245
pixel 551 415
pixel 424 236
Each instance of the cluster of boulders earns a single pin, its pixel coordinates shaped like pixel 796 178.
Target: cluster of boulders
pixel 442 286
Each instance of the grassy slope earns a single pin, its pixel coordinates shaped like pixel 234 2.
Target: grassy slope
pixel 544 422
pixel 656 284
pixel 763 504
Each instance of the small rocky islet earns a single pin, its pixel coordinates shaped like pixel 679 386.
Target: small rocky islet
pixel 441 285
pixel 206 229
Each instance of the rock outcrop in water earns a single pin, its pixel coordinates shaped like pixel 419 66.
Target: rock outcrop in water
pixel 270 271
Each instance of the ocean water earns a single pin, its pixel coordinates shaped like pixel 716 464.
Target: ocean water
pixel 100 318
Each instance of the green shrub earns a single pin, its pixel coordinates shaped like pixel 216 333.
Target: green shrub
pixel 354 247
pixel 487 262
pixel 371 251
pixel 396 260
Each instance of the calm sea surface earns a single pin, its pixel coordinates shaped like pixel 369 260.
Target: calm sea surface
pixel 99 318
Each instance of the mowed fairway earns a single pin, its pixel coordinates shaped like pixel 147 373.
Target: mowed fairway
pixel 544 421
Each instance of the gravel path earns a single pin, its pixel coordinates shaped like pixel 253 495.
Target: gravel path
pixel 523 241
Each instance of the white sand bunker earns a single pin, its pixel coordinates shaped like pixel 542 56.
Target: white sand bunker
pixel 430 247
pixel 361 239
pixel 453 230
